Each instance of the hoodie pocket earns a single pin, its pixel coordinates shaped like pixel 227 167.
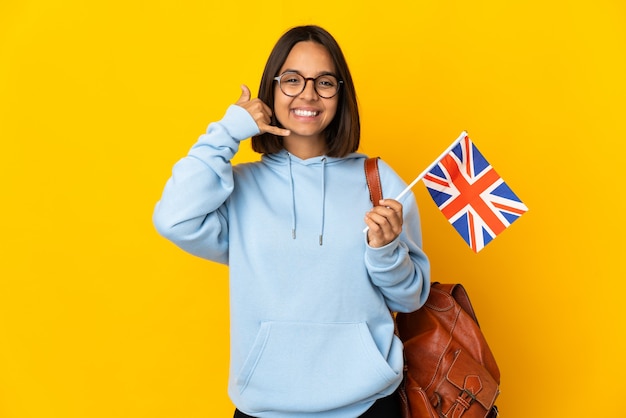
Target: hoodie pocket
pixel 312 367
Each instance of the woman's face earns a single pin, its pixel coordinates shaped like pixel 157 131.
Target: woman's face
pixel 306 115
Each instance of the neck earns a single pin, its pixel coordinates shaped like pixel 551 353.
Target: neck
pixel 305 148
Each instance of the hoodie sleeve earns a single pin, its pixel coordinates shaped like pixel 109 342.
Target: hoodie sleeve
pixel 400 269
pixel 191 212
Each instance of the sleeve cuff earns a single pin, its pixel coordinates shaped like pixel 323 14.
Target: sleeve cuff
pixel 239 123
pixel 382 257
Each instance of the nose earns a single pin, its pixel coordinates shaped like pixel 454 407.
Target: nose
pixel 309 92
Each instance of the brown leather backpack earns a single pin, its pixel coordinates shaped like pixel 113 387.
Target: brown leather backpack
pixel 450 371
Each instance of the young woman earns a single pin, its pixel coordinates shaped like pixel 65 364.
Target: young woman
pixel 310 292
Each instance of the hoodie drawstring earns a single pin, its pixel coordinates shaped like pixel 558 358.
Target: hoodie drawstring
pixel 323 200
pixel 293 199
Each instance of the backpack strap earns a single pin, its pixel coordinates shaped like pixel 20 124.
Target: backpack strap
pixel 458 292
pixel 372 176
pixel 373 180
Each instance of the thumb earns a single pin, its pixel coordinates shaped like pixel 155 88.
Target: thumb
pixel 245 95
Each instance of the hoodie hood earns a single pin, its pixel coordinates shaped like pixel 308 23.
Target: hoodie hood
pixel 284 160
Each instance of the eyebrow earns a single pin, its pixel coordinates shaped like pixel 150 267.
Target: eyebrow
pixel 291 70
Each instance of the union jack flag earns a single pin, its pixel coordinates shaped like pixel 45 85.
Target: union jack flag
pixel 471 195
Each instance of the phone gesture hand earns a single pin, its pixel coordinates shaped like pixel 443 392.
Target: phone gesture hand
pixel 260 112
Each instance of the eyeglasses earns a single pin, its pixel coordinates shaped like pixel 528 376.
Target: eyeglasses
pixel 292 84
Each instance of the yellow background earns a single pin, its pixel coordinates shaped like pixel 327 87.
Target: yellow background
pixel 100 317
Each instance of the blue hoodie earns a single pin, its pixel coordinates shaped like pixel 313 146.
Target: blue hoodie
pixel 311 331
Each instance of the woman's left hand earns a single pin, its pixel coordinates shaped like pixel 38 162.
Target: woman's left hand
pixel 384 222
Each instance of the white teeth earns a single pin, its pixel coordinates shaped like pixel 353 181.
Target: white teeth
pixel 307 113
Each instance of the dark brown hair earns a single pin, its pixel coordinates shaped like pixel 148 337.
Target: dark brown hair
pixel 344 132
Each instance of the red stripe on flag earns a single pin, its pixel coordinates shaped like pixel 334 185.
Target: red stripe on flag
pixel 436 180
pixel 509 208
pixel 469 194
pixel 471 231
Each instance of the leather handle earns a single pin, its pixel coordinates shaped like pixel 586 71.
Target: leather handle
pixel 373 180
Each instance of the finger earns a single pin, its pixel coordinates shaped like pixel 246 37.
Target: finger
pixel 376 220
pixel 370 223
pixel 245 95
pixel 373 229
pixel 259 110
pixel 388 219
pixel 377 236
pixel 276 130
pixel 266 109
pixel 394 208
pixel 392 204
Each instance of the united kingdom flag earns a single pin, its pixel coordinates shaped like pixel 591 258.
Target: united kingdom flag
pixel 472 196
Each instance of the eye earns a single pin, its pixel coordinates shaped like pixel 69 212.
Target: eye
pixel 292 79
pixel 327 82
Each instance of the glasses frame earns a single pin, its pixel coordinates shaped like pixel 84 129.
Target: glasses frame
pixel 306 79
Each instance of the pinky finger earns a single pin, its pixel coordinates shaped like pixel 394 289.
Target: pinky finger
pixel 277 131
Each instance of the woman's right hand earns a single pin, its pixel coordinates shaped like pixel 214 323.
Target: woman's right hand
pixel 260 112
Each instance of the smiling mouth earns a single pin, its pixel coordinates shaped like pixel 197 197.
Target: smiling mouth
pixel 306 113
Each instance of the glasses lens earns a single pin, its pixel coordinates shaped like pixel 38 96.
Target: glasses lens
pixel 291 84
pixel 326 85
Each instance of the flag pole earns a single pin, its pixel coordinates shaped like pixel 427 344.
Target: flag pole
pixel 430 167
